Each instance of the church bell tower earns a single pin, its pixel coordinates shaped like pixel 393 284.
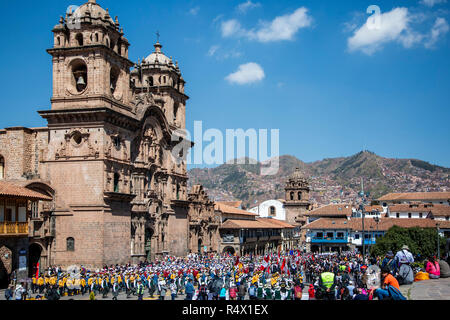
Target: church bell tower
pixel 90 61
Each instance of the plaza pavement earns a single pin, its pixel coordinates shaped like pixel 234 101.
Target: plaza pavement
pixel 421 290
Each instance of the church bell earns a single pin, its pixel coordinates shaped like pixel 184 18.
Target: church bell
pixel 81 81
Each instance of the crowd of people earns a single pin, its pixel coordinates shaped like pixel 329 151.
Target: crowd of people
pixel 291 275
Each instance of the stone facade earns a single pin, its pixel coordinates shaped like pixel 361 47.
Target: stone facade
pixel 109 155
pixel 297 203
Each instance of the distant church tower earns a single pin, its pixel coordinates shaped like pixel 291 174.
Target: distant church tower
pixel 297 198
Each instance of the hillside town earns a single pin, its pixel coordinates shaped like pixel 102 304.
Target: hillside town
pixel 95 205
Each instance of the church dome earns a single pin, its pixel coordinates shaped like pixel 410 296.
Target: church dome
pixel 297 175
pixel 157 57
pixel 93 10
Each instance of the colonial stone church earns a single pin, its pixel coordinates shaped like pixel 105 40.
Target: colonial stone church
pixel 108 156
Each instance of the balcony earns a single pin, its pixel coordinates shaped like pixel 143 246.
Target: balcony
pixel 13 228
pixel 328 240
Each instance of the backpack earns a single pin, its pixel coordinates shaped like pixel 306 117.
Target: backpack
pixel 395 294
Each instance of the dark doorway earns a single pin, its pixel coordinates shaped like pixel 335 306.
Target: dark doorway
pixel 34 258
pixel 200 246
pixel 229 250
pixel 148 243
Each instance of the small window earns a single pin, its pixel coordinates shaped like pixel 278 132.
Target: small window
pixel 116 182
pixel 319 235
pixel 366 236
pixel 398 215
pixel 70 244
pixel 299 195
pixel 292 196
pixel 79 39
pixel 330 235
pixel 421 215
pixel 272 211
pixel 150 81
pixel 35 209
pixel 116 142
pixel 340 235
pixel 357 236
pixel 2 168
pixel 409 215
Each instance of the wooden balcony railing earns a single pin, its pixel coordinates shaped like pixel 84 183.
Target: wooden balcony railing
pixel 13 228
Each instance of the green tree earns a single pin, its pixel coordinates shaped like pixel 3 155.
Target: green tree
pixel 421 241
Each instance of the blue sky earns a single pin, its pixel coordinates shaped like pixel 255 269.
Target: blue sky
pixel 317 70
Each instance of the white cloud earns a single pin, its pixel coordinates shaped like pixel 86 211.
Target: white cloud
pixel 392 26
pixel 246 74
pixel 395 26
pixel 281 28
pixel 431 3
pixel 440 27
pixel 212 51
pixel 194 11
pixel 222 54
pixel 231 28
pixel 245 6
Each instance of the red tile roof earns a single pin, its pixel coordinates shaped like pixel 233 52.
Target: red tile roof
pixel 344 210
pixel 276 223
pixel 232 210
pixel 261 223
pixel 11 190
pixel 414 196
pixel 234 204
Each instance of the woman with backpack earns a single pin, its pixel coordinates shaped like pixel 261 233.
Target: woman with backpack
pixel 432 267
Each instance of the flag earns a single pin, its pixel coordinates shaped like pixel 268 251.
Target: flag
pixel 265 263
pixel 237 261
pixel 37 270
pixel 283 265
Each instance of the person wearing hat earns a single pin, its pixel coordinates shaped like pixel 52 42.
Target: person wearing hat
pixel 403 259
pixel 140 289
pixel 389 262
pixel 404 256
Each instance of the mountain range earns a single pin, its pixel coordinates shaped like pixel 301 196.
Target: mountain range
pixel 332 180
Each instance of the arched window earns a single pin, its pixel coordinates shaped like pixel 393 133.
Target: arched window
pixel 150 81
pixel 96 37
pixel 2 168
pixel 70 244
pixel 116 182
pixel 299 196
pixel 292 196
pixel 272 211
pixel 79 38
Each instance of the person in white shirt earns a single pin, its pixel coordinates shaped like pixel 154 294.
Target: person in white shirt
pixel 404 256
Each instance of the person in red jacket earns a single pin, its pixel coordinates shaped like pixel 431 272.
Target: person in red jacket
pixel 311 292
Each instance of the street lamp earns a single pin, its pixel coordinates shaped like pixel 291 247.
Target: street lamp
pixel 438 244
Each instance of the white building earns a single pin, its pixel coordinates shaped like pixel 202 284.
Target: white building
pixel 270 209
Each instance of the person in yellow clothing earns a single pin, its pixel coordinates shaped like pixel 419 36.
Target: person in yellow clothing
pixel 76 286
pixel 41 284
pixel 83 286
pixel 91 283
pixel 34 284
pixel 69 285
pixel 61 287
